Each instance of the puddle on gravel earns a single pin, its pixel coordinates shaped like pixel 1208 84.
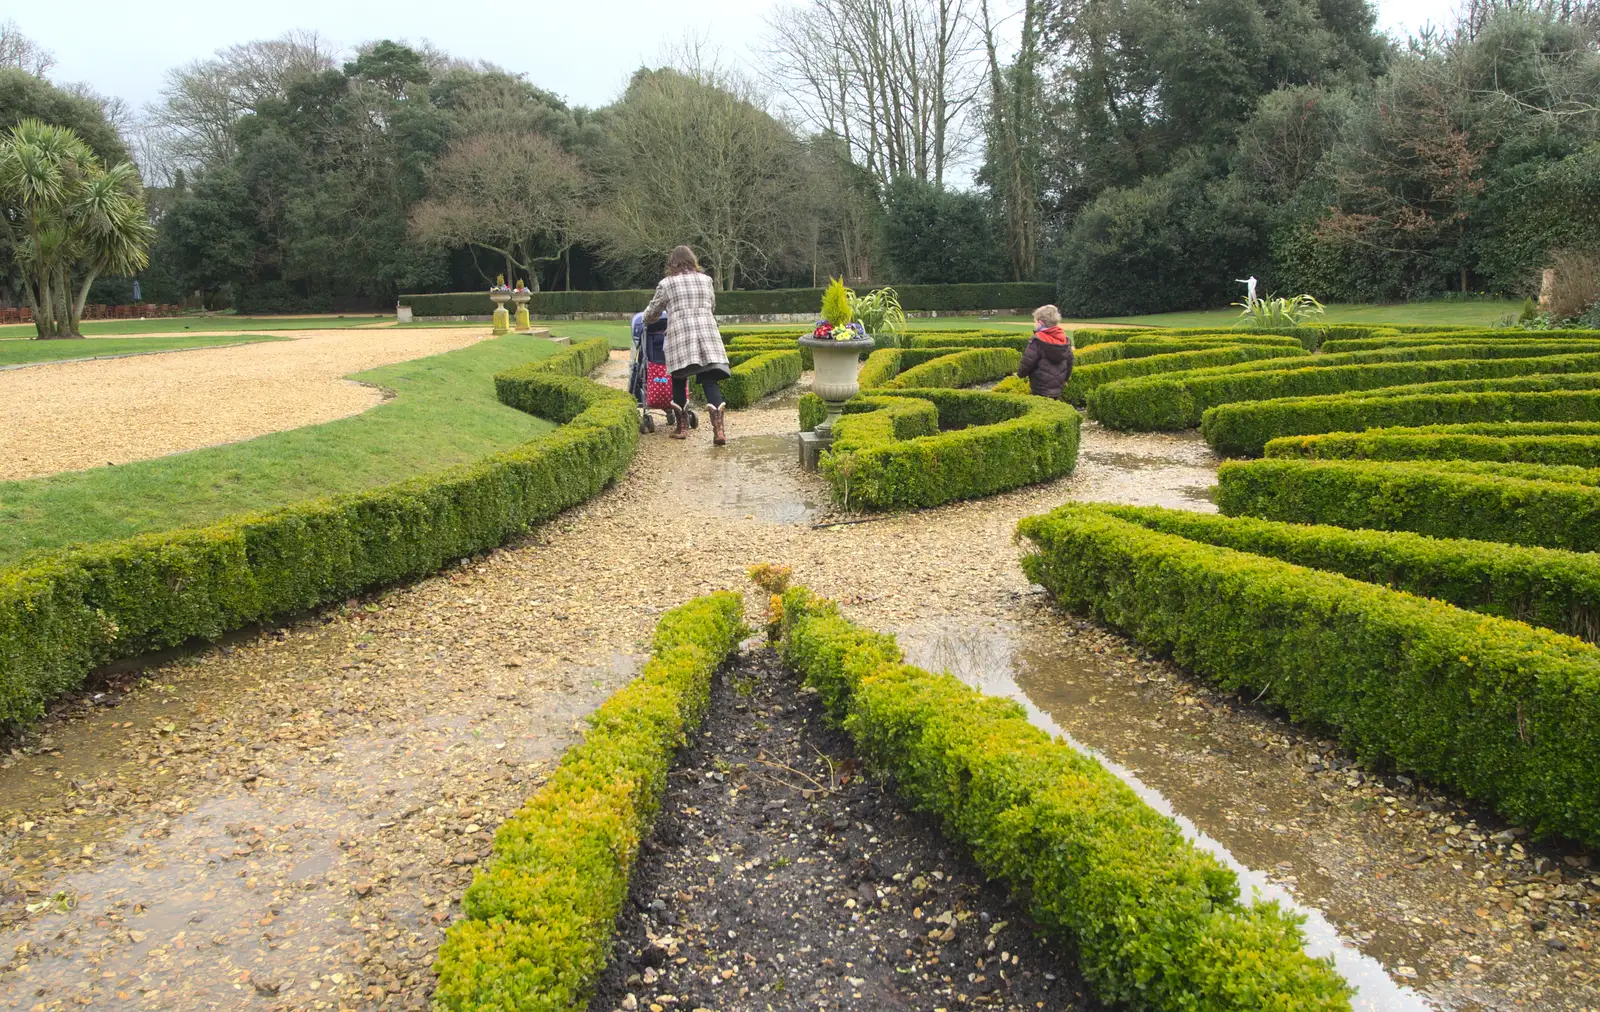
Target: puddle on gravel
pixel 1174 469
pixel 754 477
pixel 1063 696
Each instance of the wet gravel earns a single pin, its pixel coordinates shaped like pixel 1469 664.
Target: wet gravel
pixel 782 875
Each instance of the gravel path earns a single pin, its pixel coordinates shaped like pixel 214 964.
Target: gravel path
pixel 285 821
pixel 76 415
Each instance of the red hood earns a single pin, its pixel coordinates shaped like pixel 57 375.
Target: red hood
pixel 1051 335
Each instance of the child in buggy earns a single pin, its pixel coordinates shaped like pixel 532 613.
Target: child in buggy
pixel 648 379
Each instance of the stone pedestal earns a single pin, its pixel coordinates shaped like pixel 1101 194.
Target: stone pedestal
pixel 811 445
pixel 402 314
pixel 502 318
pixel 524 325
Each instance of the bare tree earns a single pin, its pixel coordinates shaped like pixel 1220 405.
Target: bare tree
pixel 17 50
pixel 894 78
pixel 204 100
pixel 1013 129
pixel 516 194
pixel 696 160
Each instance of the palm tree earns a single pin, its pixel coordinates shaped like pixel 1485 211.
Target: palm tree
pixel 68 216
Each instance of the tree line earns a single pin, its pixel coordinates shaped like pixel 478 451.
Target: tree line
pixel 1140 153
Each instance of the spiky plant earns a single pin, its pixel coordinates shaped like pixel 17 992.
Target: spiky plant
pixel 836 304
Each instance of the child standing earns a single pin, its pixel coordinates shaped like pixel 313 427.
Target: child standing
pixel 1047 361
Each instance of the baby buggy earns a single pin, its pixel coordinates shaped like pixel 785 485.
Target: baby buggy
pixel 648 379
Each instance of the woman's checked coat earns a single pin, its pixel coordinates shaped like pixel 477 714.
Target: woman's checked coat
pixel 693 342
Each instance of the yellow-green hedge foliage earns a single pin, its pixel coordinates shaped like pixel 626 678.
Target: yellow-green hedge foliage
pixel 1505 713
pixel 1156 922
pixel 539 916
pixel 1576 443
pixel 64 613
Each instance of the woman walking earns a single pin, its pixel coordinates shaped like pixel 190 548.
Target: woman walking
pixel 693 342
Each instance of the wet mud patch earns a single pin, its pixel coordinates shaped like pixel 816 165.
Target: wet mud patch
pixel 782 875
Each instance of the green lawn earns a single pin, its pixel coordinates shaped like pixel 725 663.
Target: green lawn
pixel 27 352
pixel 1466 313
pixel 444 412
pixel 178 324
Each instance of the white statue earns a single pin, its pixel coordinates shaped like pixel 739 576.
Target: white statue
pixel 1250 289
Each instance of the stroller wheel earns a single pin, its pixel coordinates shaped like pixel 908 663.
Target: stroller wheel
pixel 647 424
pixel 694 420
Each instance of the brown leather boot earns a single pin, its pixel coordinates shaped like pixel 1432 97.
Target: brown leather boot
pixel 681 415
pixel 719 436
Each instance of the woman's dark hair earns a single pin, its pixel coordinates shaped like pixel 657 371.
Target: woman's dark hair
pixel 682 261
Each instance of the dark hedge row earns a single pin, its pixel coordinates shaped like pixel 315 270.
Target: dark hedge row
pixel 913 298
pixel 1243 429
pixel 539 917
pixel 1540 586
pixel 1156 922
pixel 1503 712
pixel 1417 497
pixel 64 613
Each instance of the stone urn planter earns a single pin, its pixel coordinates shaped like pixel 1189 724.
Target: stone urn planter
pixel 837 363
pixel 520 297
pixel 502 319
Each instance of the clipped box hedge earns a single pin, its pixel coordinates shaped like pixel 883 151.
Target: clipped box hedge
pixel 966 339
pixel 756 374
pixel 540 915
pixel 1505 713
pixel 1540 586
pixel 1156 922
pixel 1243 429
pixel 1143 360
pixel 1178 400
pixel 887 454
pixel 1414 497
pixel 1562 446
pixel 913 299
pixel 1580 339
pixel 64 613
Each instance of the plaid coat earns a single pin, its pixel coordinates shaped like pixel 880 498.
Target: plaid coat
pixel 693 339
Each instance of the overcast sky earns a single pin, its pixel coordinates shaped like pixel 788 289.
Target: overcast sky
pixel 583 50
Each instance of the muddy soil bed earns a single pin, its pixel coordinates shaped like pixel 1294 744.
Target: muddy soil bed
pixel 783 875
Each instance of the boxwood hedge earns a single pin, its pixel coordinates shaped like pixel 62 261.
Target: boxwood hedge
pixel 1156 922
pixel 1178 400
pixel 1414 497
pixel 64 613
pixel 755 374
pixel 539 916
pixel 1503 712
pixel 1243 429
pixel 1577 339
pixel 1141 359
pixel 893 453
pixel 1540 586
pixel 1581 448
pixel 913 298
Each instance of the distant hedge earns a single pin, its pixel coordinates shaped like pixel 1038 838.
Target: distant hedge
pixel 1506 713
pixel 1092 376
pixel 1156 922
pixel 1578 339
pixel 64 613
pixel 1414 497
pixel 1178 400
pixel 1243 429
pixel 539 916
pixel 913 298
pixel 1546 587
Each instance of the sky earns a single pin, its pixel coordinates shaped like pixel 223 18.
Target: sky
pixel 583 50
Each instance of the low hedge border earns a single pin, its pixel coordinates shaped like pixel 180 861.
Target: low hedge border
pixel 913 298
pixel 1243 429
pixel 1090 376
pixel 1414 497
pixel 886 456
pixel 1179 400
pixel 959 369
pixel 1540 586
pixel 1579 340
pixel 64 613
pixel 1156 922
pixel 958 339
pixel 1580 449
pixel 540 915
pixel 757 374
pixel 1503 712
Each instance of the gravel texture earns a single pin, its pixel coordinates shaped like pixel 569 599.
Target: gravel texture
pixel 74 415
pixel 316 794
pixel 782 875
